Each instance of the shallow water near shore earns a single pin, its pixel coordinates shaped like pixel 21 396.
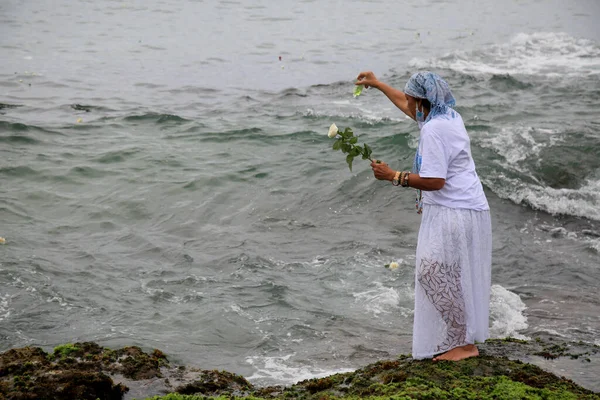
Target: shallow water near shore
pixel 168 182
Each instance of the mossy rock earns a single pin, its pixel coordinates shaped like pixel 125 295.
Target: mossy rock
pixel 137 365
pixel 216 382
pixel 483 377
pixel 61 385
pixel 83 371
pixel 74 371
pixel 19 361
pixel 480 378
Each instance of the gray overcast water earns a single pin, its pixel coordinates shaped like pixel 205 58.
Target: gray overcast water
pixel 166 180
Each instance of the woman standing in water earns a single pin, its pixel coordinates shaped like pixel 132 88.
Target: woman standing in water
pixel 454 248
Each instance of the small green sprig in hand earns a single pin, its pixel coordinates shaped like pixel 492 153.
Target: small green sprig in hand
pixel 346 142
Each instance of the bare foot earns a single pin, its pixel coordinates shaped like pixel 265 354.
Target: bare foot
pixel 459 353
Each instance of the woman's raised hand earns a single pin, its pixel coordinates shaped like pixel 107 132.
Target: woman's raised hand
pixel 367 79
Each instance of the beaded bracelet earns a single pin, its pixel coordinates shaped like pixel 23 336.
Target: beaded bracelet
pixel 404 180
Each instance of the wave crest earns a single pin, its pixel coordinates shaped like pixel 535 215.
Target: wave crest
pixel 542 54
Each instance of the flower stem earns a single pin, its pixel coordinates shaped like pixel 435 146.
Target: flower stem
pixel 362 152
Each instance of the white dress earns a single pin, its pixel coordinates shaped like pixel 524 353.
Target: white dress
pixel 454 249
pixel 452 279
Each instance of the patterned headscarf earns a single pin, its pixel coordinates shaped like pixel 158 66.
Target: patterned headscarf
pixel 430 86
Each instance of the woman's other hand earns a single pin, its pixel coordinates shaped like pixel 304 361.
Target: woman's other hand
pixel 382 171
pixel 367 79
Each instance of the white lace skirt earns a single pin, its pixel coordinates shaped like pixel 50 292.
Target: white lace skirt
pixel 452 280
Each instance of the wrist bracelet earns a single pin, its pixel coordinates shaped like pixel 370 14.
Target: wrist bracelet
pixel 404 181
pixel 397 181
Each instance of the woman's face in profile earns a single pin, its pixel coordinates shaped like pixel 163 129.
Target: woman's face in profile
pixel 412 105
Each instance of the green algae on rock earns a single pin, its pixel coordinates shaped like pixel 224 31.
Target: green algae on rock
pixel 89 371
pixel 29 373
pixel 74 371
pixel 177 396
pixel 65 350
pixel 484 377
pixel 209 382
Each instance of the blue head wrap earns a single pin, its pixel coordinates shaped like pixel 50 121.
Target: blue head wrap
pixel 430 86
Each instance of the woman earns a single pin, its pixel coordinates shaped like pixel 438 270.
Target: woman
pixel 454 248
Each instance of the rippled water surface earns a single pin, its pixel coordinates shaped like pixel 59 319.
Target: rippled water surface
pixel 166 180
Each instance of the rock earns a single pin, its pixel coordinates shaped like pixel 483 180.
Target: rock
pixel 89 371
pixel 29 373
pixel 216 383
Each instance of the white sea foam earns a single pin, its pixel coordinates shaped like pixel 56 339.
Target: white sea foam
pixel 59 300
pixel 518 143
pixel 364 115
pixel 279 370
pixel 541 54
pixel 552 332
pixel 593 244
pixel 379 300
pixel 187 295
pixel 236 308
pixel 506 313
pixel 581 202
pixel 4 307
pixel 590 238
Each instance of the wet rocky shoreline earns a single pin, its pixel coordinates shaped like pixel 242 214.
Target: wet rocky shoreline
pixel 543 368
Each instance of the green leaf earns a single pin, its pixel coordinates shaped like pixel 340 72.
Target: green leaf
pixel 337 144
pixel 357 90
pixel 350 132
pixel 346 147
pixel 368 151
pixel 349 160
pixel 365 152
pixel 355 151
pixel 353 140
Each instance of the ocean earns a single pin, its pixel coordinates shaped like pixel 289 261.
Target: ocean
pixel 167 180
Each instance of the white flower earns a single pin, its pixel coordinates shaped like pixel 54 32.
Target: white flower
pixel 2 240
pixel 333 131
pixel 394 265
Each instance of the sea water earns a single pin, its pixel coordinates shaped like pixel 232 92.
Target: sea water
pixel 167 181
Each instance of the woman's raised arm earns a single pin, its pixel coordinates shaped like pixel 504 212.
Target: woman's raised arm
pixel 368 79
